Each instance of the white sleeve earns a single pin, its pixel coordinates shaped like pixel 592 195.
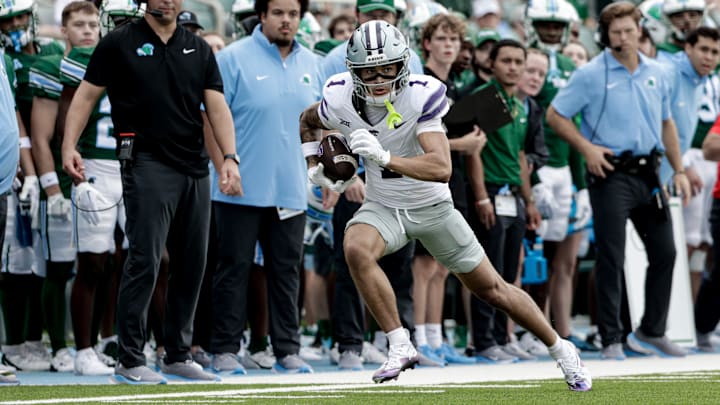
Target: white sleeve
pixel 431 125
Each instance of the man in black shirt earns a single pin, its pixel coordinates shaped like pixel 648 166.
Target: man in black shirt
pixel 156 76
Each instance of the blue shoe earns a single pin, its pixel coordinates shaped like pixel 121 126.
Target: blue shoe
pixel 582 345
pixel 428 358
pixel 291 364
pixel 226 363
pixel 453 357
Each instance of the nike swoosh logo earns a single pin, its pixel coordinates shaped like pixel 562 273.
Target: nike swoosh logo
pixel 400 124
pixel 258 77
pixel 187 51
pixel 611 85
pixel 134 377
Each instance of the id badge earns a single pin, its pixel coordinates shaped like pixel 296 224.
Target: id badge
pixel 505 205
pixel 285 213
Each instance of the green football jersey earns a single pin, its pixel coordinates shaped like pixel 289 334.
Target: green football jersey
pixel 10 73
pixel 21 65
pixel 559 71
pixel 97 140
pixel 709 109
pixel 44 82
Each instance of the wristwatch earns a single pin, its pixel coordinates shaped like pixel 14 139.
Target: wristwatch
pixel 233 156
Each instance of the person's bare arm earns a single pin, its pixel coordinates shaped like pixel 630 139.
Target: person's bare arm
pixel 310 130
pixel 43 115
pixel 26 159
pixel 433 165
pixel 83 102
pixel 223 129
pixel 594 154
pixel 711 147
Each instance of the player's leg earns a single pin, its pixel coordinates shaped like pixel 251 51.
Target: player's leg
pixel 372 232
pixel 363 246
pixel 60 253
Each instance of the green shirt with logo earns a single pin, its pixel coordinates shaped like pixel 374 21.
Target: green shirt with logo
pixel 500 157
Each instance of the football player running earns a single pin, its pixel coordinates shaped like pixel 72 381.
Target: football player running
pixel 393 120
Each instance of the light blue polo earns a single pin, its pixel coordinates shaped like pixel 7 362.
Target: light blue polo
pixel 686 89
pixel 9 132
pixel 266 96
pixel 637 103
pixel 334 62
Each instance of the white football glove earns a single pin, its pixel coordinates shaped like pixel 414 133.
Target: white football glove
pixel 29 197
pixel 58 206
pixel 583 209
pixel 316 174
pixel 366 145
pixel 545 201
pixel 89 202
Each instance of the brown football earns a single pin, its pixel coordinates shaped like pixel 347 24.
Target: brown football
pixel 337 158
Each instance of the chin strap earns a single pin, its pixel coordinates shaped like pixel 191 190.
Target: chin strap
pixel 394 118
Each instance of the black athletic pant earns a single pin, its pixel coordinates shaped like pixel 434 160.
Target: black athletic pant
pixel 707 306
pixel 502 244
pixel 347 308
pixel 162 205
pixel 239 227
pixel 622 196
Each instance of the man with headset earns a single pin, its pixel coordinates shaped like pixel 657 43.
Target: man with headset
pixel 622 139
pixel 157 75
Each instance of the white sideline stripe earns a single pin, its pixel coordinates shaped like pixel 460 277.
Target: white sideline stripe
pixel 426 377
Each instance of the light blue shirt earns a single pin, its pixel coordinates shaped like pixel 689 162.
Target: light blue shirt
pixel 266 95
pixel 334 62
pixel 635 106
pixel 9 131
pixel 686 87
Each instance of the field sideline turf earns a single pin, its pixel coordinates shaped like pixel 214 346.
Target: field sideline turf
pixel 691 380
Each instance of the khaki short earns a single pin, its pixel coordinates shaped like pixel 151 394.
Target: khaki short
pixel 439 227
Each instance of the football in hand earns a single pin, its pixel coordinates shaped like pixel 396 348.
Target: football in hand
pixel 337 158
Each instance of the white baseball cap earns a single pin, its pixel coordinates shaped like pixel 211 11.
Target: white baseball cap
pixel 484 7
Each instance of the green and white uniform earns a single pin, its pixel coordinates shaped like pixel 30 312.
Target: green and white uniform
pixel 565 165
pixel 57 233
pixel 97 148
pixel 21 65
pixel 697 212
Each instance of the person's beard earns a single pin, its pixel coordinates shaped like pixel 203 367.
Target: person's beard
pixel 281 42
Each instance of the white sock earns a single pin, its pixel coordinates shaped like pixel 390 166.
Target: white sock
pixel 398 336
pixel 420 335
pixel 557 348
pixel 433 331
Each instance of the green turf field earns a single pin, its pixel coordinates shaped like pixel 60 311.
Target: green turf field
pixel 678 388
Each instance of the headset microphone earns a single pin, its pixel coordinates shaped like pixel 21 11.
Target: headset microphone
pixel 155 13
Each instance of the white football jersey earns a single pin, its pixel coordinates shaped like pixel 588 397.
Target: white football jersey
pixel 423 100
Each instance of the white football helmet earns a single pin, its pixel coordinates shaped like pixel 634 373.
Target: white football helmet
pixel 114 13
pixel 549 10
pixel 671 7
pixel 653 20
pixel 22 36
pixel 309 31
pixel 415 20
pixel 242 9
pixel 377 43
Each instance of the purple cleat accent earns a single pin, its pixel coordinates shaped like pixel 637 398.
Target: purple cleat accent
pixel 400 358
